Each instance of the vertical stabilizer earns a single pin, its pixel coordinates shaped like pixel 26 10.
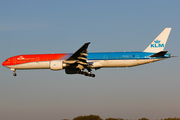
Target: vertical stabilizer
pixel 159 42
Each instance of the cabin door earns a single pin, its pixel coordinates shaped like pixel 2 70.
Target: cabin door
pixel 14 60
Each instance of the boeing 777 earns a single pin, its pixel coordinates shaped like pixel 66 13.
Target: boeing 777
pixel 82 62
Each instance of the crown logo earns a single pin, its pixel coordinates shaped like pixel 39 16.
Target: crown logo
pixel 20 58
pixel 157 41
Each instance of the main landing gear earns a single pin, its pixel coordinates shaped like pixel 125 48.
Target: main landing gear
pixel 86 73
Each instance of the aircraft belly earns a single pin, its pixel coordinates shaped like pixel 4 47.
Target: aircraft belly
pixel 113 63
pixel 124 63
pixel 32 65
pixel 100 63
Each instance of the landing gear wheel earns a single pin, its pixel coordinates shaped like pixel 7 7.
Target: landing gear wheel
pixel 85 73
pixel 92 75
pixel 82 73
pixel 14 74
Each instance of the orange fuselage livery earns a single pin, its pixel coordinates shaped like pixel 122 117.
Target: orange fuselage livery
pixel 22 59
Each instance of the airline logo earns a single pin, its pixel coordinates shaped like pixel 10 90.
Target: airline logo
pixel 20 58
pixel 157 44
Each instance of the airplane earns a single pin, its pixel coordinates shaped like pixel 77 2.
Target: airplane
pixel 82 62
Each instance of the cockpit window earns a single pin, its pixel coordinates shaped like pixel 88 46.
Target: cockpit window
pixel 6 60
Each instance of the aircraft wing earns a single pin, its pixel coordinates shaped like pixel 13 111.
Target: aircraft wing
pixel 79 58
pixel 80 52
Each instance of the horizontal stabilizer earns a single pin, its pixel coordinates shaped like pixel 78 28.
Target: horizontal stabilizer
pixel 159 54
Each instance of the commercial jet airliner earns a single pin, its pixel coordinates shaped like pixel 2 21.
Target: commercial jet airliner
pixel 82 62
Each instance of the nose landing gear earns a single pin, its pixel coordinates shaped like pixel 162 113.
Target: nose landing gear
pixel 14 70
pixel 14 74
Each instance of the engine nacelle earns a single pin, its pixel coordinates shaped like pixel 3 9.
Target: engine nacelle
pixel 57 65
pixel 71 71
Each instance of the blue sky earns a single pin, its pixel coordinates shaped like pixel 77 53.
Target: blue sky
pixel 32 27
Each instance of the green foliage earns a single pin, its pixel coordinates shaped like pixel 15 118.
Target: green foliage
pixel 90 117
pixel 143 119
pixel 172 118
pixel 114 119
pixel 96 117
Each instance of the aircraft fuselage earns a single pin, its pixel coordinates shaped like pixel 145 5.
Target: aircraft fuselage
pixel 104 59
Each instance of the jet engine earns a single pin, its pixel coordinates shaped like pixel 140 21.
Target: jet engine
pixel 71 71
pixel 57 65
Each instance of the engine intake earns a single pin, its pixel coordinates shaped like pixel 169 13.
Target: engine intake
pixel 57 65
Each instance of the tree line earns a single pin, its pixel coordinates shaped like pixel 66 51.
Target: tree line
pixel 96 117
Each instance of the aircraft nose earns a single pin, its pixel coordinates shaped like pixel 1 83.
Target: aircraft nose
pixel 4 63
